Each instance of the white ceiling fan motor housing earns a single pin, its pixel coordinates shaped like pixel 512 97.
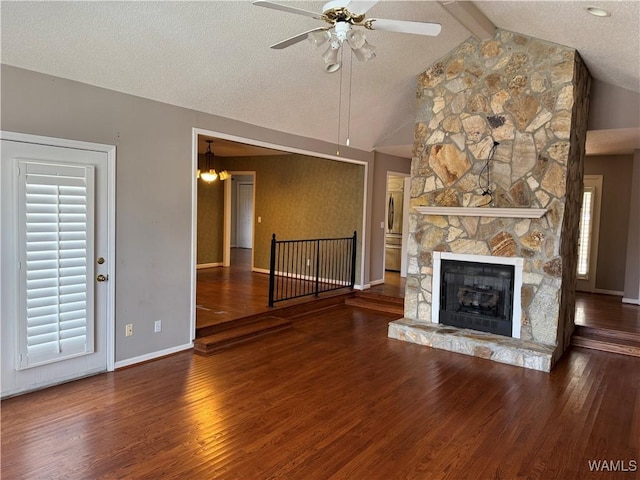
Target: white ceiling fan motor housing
pixel 341 30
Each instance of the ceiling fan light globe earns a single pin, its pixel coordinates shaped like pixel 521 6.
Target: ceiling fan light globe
pixel 365 52
pixel 332 67
pixel 318 38
pixel 356 39
pixel 330 56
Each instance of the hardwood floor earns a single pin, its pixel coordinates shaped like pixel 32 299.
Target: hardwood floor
pixel 331 397
pixel 606 311
pixel 225 294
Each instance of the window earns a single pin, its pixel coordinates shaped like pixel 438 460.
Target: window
pixel 584 239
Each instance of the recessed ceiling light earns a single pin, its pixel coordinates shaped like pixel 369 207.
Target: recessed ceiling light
pixel 598 12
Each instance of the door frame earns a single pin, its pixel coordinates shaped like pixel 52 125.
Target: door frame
pixel 195 131
pixel 233 216
pixel 110 151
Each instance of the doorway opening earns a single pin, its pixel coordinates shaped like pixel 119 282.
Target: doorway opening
pixel 239 223
pixel 274 215
pixel 396 226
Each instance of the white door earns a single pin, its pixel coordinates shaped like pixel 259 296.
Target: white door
pixel 244 230
pixel 56 298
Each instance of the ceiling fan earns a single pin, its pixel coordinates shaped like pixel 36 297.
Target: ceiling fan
pixel 342 16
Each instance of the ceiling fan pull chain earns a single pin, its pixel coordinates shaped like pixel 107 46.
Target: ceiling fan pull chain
pixel 349 109
pixel 340 102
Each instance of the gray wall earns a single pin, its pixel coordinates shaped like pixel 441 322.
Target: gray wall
pixel 632 273
pixel 612 107
pixel 383 164
pixel 153 188
pixel 614 217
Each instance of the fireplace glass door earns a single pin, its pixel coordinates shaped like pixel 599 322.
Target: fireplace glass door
pixel 478 296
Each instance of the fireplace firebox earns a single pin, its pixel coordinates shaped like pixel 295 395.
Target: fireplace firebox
pixel 478 296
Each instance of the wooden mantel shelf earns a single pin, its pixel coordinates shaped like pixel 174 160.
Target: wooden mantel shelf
pixel 484 212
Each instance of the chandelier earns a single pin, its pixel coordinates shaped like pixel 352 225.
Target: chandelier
pixel 208 173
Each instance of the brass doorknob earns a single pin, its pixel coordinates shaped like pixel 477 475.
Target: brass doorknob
pixel 102 278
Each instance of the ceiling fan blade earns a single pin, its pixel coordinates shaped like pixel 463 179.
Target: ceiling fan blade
pixel 404 26
pixel 360 6
pixel 296 38
pixel 284 8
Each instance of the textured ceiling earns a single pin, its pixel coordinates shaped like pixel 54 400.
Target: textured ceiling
pixel 214 56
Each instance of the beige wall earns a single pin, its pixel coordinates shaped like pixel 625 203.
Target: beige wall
pixel 301 197
pixel 614 217
pixel 210 222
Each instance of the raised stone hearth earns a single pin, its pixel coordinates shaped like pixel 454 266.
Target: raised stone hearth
pixel 513 351
pixel 528 99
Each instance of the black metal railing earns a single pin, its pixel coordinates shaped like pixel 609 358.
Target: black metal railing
pixel 300 268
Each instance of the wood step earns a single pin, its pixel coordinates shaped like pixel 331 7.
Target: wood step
pixel 241 333
pixel 624 343
pixel 584 331
pixel 290 310
pixel 378 303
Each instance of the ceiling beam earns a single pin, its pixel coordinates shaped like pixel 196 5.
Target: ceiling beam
pixel 471 18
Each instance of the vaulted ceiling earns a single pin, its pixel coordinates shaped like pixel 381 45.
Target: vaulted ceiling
pixel 214 56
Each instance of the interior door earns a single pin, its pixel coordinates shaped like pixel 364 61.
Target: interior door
pixel 244 230
pixel 55 264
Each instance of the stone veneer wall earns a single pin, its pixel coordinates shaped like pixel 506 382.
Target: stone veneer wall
pixel 532 97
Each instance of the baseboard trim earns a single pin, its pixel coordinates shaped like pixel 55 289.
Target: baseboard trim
pixel 208 265
pixel 267 272
pixel 373 283
pixel 608 292
pixel 152 356
pixel 632 301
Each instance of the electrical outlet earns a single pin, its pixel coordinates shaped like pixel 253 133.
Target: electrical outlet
pixel 128 329
pixel 157 326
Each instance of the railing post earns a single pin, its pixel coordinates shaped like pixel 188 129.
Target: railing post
pixel 353 259
pixel 317 267
pixel 272 270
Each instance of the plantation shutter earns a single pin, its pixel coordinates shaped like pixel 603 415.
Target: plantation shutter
pixel 56 224
pixel 585 229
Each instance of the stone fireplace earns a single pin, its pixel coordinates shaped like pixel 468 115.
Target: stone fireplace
pixel 496 187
